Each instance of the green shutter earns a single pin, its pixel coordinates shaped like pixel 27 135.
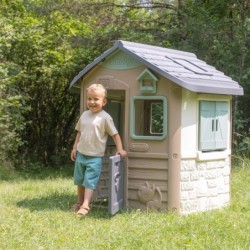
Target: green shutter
pixel 213 130
pixel 221 132
pixel 207 113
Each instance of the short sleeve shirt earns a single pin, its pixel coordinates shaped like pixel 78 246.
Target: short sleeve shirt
pixel 94 129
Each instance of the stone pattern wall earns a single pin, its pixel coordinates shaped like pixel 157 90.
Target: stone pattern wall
pixel 205 185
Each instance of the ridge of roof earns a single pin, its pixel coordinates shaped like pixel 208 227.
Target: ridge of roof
pixel 126 44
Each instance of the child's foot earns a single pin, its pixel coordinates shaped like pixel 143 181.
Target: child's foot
pixel 82 211
pixel 75 207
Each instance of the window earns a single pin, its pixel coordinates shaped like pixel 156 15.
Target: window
pixel 213 130
pixel 189 65
pixel 148 117
pixel 156 117
pixel 147 81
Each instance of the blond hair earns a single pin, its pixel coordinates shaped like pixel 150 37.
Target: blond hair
pixel 97 86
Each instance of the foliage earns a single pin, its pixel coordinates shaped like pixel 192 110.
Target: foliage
pixel 219 33
pixel 45 43
pixel 43 66
pixel 35 215
pixel 12 101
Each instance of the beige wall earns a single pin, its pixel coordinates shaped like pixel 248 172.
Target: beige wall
pixel 205 176
pixel 155 170
pixel 190 126
pixel 147 161
pixel 189 118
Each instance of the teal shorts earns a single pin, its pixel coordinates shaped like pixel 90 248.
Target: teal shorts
pixel 87 170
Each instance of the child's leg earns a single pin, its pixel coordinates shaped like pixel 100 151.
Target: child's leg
pixel 91 178
pixel 80 198
pixel 84 209
pixel 88 194
pixel 80 193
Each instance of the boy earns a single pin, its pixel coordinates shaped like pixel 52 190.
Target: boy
pixel 93 128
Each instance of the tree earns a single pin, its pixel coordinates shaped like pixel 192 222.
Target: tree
pixel 12 101
pixel 39 59
pixel 45 43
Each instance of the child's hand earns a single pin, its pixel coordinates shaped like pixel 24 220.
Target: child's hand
pixel 73 154
pixel 122 153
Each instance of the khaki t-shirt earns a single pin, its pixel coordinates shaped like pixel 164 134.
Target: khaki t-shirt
pixel 94 128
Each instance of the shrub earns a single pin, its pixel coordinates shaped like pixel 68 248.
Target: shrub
pixel 12 108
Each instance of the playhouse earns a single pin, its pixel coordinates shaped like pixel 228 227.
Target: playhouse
pixel 173 112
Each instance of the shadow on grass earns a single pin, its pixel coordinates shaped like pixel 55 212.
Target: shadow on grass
pixel 12 175
pixel 62 202
pixel 54 201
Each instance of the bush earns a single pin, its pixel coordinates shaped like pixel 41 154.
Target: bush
pixel 12 108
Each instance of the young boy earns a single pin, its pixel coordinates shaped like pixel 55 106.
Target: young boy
pixel 93 128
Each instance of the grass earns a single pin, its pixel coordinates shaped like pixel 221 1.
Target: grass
pixel 34 214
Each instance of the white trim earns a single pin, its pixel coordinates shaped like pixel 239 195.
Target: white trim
pixel 187 155
pixel 215 155
pixel 213 97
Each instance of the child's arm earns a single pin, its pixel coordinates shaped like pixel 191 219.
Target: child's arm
pixel 118 143
pixel 73 152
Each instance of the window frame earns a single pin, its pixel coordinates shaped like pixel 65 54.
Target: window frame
pixel 133 135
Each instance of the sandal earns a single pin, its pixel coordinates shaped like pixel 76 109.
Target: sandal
pixel 75 207
pixel 83 211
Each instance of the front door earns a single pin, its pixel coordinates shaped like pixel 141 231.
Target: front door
pixel 111 166
pixel 116 184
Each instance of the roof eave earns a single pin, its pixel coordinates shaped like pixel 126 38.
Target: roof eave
pixel 213 90
pixel 91 65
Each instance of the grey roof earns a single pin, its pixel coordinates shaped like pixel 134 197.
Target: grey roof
pixel 183 68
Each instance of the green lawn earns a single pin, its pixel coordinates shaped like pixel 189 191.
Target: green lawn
pixel 34 214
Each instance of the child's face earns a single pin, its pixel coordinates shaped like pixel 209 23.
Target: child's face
pixel 95 100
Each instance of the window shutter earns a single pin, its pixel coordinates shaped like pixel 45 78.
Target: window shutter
pixel 207 114
pixel 221 131
pixel 213 130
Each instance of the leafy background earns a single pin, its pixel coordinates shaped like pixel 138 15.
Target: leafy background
pixel 45 43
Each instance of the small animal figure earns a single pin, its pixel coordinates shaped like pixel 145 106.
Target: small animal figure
pixel 149 195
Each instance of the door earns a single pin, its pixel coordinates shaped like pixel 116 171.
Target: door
pixel 116 184
pixel 110 187
pixel 114 108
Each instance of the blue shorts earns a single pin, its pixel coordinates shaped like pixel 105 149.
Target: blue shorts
pixel 87 170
